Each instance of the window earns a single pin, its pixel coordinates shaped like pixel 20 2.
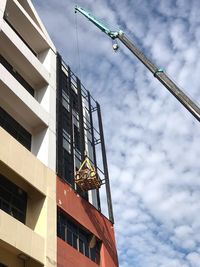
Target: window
pixel 13 200
pixel 67 167
pixel 77 138
pixel 64 83
pixel 15 129
pixel 76 237
pixel 67 124
pixel 74 100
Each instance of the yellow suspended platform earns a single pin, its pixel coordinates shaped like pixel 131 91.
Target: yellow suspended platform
pixel 86 177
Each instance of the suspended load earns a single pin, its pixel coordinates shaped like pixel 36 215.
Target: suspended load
pixel 86 177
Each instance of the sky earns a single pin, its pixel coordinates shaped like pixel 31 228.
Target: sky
pixel 152 141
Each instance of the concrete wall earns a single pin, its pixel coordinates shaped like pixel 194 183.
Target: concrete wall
pixel 36 114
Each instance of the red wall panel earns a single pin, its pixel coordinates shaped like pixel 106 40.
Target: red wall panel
pixel 67 256
pixel 84 213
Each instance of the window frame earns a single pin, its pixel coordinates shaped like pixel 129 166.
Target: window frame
pixel 82 237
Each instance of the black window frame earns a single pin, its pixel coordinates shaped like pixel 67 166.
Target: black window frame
pixel 66 227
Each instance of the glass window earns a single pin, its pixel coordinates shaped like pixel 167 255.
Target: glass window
pixel 77 237
pixel 13 200
pixel 66 121
pixel 77 138
pixel 74 99
pixel 64 83
pixel 15 129
pixel 67 167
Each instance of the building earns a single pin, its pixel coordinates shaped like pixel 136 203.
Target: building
pixel 48 123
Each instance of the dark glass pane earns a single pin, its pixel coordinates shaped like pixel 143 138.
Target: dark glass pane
pixel 21 217
pixel 15 129
pixel 13 199
pixel 93 254
pixel 63 219
pixel 87 250
pixel 75 241
pixel 17 202
pixel 61 232
pixel 69 237
pixel 77 138
pixel 74 99
pixel 4 194
pixel 64 83
pixel 5 206
pixel 81 246
pixel 14 212
pixel 67 167
pixel 66 121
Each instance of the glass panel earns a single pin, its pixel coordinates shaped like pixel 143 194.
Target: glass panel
pixel 75 241
pixel 93 254
pixel 15 129
pixel 77 138
pixel 81 246
pixel 77 237
pixel 13 199
pixel 69 237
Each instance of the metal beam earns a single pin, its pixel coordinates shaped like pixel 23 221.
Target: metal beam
pixel 93 146
pixel 105 165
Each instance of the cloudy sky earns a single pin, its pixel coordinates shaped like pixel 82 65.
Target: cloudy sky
pixel 152 141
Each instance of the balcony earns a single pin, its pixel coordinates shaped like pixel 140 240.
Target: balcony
pixel 19 18
pixel 18 54
pixel 29 112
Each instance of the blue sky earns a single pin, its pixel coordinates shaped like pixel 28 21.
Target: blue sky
pixel 152 141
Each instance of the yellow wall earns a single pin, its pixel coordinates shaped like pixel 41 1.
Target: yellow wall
pixel 38 237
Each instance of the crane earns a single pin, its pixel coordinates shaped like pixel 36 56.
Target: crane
pixel 157 72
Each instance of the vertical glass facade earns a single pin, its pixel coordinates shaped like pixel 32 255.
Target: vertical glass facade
pixel 79 133
pixel 74 128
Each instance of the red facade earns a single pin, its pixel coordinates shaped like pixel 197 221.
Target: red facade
pixel 92 220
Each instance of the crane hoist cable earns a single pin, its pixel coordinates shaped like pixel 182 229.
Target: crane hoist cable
pixel 157 72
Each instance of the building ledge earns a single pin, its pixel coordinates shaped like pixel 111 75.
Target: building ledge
pixel 21 238
pixel 22 58
pixel 25 24
pixel 22 162
pixel 13 95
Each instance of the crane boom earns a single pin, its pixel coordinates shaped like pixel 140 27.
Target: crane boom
pixel 158 73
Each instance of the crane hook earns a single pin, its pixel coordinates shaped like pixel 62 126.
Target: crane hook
pixel 115 47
